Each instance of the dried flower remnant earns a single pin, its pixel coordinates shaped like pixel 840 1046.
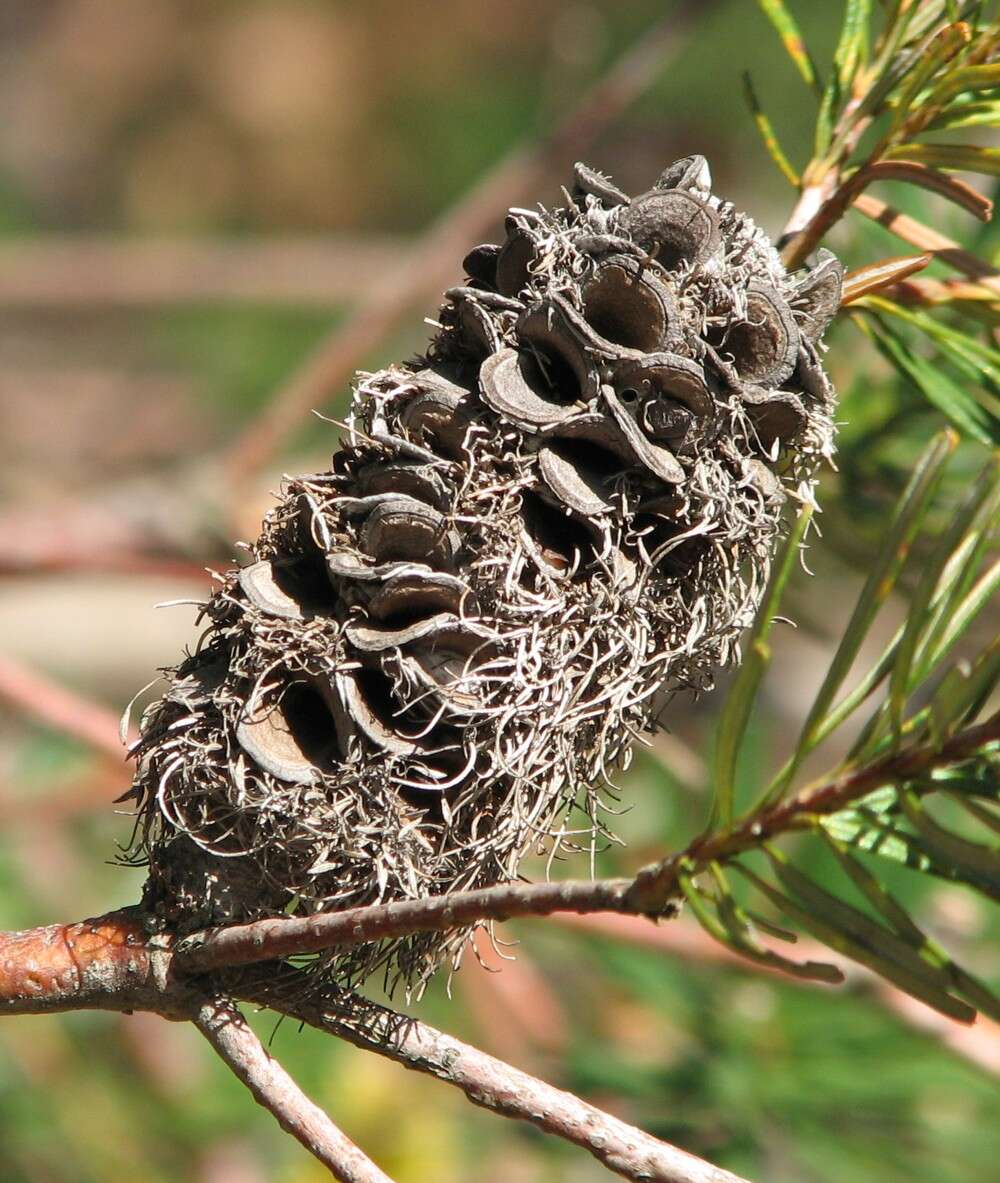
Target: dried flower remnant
pixel 445 643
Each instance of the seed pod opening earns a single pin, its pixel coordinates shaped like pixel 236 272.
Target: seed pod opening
pixel 404 528
pixel 405 598
pixel 691 173
pixel 676 227
pixel 629 307
pixel 816 295
pixel 292 588
pixel 764 344
pixel 513 264
pixel 480 264
pixel 588 182
pixel 294 738
pixel 578 474
pixel 774 414
pixel 665 376
pixel 545 380
pixel 564 544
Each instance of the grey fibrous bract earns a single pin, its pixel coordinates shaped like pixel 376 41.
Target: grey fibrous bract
pixel 442 648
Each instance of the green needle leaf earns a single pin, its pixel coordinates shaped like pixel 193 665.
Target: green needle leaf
pixel 951 399
pixel 882 899
pixel 900 532
pixel 927 990
pixel 976 864
pixel 736 713
pixel 729 925
pixel 900 684
pixel 960 157
pixel 767 133
pixel 788 30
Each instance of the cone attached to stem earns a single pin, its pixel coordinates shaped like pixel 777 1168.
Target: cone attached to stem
pixel 446 643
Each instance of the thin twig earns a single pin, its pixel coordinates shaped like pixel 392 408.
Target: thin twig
pixel 111 963
pixel 489 1082
pixel 649 894
pixel 432 261
pixel 225 1028
pixel 919 235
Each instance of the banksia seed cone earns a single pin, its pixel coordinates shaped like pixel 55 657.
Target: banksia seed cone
pixel 561 514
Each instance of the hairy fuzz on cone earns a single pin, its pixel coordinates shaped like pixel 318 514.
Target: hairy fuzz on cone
pixel 531 537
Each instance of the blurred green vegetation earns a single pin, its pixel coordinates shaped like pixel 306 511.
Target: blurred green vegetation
pixel 159 117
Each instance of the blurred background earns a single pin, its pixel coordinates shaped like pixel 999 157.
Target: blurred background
pixel 195 196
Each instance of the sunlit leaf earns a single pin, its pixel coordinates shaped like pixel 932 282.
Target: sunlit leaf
pixel 939 49
pixel 788 30
pixel 980 114
pixel 966 79
pixel 962 157
pixel 767 133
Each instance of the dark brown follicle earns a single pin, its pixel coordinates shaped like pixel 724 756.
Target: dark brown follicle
pixel 444 643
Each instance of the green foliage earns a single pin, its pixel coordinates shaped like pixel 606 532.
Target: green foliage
pixel 921 740
pixel 927 69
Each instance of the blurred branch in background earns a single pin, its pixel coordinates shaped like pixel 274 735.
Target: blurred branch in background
pixel 69 272
pixel 421 273
pixel 55 706
pixel 683 938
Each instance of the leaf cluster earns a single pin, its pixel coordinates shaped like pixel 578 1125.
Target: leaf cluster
pixel 902 794
pixel 929 69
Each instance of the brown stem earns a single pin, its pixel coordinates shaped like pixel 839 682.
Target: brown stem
pixel 268 940
pixel 919 235
pixel 107 963
pixel 225 1028
pixel 648 894
pixel 111 964
pixel 657 882
pixel 485 1080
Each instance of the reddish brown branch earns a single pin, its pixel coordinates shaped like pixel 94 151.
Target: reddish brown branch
pixel 490 1083
pixel 659 881
pixel 225 1028
pixel 107 964
pixel 267 940
pixel 431 263
pixel 111 964
pixel 919 235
